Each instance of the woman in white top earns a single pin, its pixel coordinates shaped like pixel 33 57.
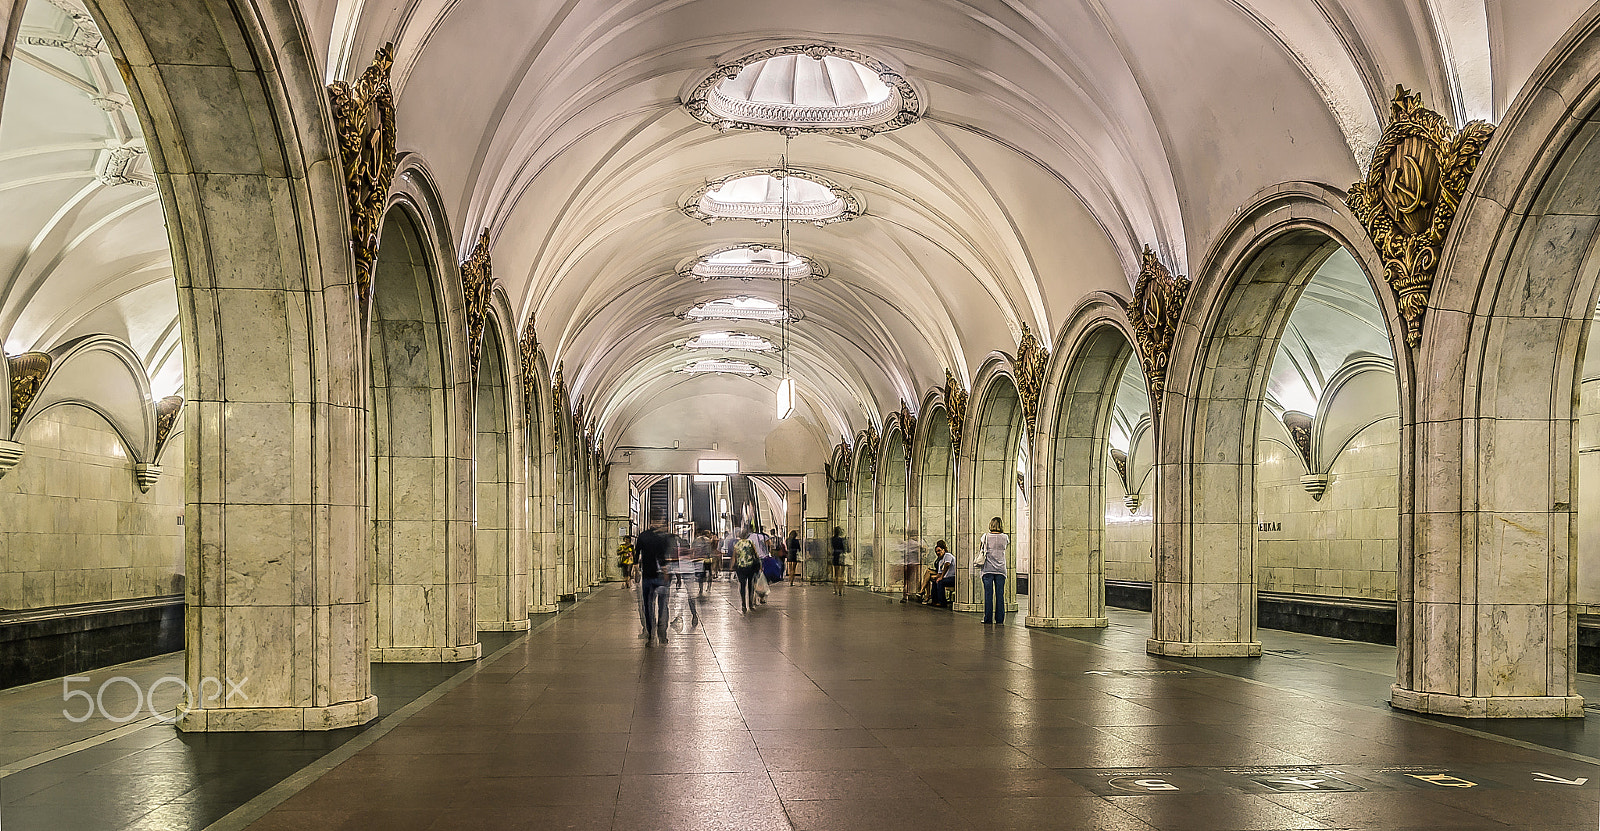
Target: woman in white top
pixel 992 550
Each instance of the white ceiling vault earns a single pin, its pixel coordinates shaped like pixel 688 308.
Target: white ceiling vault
pixel 83 247
pixel 1051 142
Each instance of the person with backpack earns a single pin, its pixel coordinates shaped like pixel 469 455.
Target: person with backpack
pixel 625 559
pixel 746 563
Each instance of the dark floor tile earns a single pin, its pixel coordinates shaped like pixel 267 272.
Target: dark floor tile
pixel 815 739
pixel 833 759
pixel 1000 783
pixel 1002 757
pixel 567 817
pixel 889 812
pixel 1032 813
pixel 1217 812
pixel 953 736
pixel 850 784
pixel 1391 809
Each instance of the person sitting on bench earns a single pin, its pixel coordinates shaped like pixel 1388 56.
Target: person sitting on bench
pixel 944 574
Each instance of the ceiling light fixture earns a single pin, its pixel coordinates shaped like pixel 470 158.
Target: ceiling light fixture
pixel 724 366
pixel 739 341
pixel 740 308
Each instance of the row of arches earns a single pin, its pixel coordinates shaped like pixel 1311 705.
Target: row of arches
pixel 483 481
pixel 360 484
pixel 283 398
pixel 1485 569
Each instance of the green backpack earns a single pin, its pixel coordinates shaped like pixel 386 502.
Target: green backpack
pixel 744 554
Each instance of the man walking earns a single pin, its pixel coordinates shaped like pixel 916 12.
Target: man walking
pixel 651 549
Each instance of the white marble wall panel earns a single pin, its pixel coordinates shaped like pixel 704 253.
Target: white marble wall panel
pixel 77 529
pixel 1130 536
pixel 1346 544
pixel 1588 507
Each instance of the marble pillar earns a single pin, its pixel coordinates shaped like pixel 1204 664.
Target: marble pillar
pixel 249 179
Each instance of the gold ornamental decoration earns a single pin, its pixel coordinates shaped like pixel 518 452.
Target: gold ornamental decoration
pixel 908 429
pixel 528 356
pixel 579 439
pixel 1414 184
pixel 1299 427
pixel 167 410
pixel 1157 304
pixel 1119 460
pixel 558 395
pixel 477 285
pixel 955 407
pixel 27 374
pixel 364 114
pixel 869 444
pixel 1031 358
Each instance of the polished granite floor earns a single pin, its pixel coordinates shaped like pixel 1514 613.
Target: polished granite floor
pixel 825 712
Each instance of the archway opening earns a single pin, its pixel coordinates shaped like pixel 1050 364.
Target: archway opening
pixel 892 536
pixel 936 486
pixel 1207 569
pixel 94 506
pixel 863 534
pixel 1098 545
pixel 422 603
pixel 501 602
pixel 999 432
pixel 1327 462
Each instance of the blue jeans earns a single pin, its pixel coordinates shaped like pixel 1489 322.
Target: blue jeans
pixel 994 598
pixel 653 597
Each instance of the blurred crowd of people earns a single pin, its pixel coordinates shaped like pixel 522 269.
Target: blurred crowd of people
pixel 662 564
pixel 665 567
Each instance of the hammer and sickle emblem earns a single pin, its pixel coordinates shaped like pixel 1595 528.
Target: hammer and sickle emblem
pixel 1406 183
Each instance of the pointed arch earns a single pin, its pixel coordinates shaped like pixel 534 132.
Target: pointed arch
pixel 1067 585
pixel 987 475
pixel 1206 433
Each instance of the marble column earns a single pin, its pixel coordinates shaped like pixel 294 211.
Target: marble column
pixel 248 174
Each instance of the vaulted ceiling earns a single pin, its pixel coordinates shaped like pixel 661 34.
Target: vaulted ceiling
pixel 1055 140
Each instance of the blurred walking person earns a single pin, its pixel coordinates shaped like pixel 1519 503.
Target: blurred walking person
pixel 837 548
pixel 780 552
pixel 792 545
pixel 746 563
pixel 651 551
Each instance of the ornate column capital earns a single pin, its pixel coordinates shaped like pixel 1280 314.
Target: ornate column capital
pixel 955 407
pixel 1414 184
pixel 477 284
pixel 27 375
pixel 363 112
pixel 1031 359
pixel 1157 304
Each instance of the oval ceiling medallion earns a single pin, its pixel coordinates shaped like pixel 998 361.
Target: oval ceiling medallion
pixel 763 195
pixel 726 366
pixel 806 88
pixel 740 308
pixel 751 261
pixel 739 341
